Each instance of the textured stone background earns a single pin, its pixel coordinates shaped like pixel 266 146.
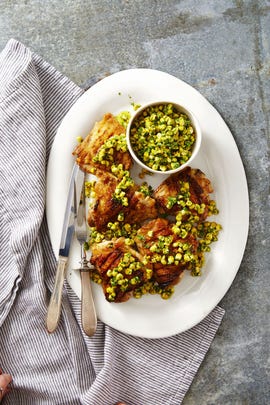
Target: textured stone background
pixel 222 48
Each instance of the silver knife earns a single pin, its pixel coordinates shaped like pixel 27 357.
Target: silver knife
pixel 54 308
pixel 89 318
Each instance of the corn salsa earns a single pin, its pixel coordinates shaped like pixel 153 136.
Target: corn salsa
pixel 162 137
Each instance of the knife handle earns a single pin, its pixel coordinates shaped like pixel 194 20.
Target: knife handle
pixel 54 308
pixel 89 318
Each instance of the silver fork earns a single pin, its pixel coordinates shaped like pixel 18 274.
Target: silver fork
pixel 89 318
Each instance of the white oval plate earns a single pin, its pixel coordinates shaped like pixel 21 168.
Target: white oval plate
pixel 219 159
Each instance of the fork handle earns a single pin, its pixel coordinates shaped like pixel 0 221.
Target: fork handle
pixel 89 318
pixel 54 308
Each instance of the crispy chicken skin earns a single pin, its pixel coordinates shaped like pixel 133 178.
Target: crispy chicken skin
pixel 140 208
pixel 105 208
pixel 101 132
pixel 107 255
pixel 149 235
pixel 199 188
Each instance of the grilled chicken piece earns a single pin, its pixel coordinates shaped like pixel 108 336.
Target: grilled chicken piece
pixel 156 240
pixel 199 189
pixel 140 208
pixel 168 275
pixel 101 132
pixel 105 208
pixel 106 257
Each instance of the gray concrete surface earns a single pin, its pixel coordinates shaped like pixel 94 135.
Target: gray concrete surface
pixel 222 48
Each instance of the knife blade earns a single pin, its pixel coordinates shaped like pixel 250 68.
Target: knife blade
pixel 54 308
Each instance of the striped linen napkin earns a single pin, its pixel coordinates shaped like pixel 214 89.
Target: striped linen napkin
pixel 66 367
